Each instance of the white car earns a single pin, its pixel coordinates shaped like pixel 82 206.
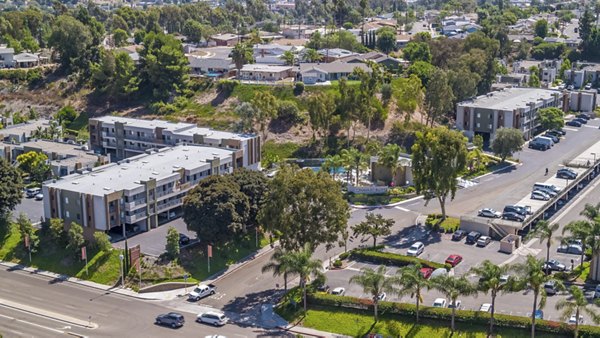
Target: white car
pixel 457 305
pixel 212 318
pixel 439 302
pixel 416 249
pixel 489 212
pixel 39 197
pixel 573 319
pixel 539 195
pixel 485 307
pixel 382 296
pixel 338 291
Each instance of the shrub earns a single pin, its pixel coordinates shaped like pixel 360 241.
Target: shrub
pixel 337 263
pixel 389 258
pixel 227 86
pixel 344 255
pixel 101 241
pixel 298 88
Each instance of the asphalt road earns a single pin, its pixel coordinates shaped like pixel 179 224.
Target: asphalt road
pixel 30 207
pixel 62 308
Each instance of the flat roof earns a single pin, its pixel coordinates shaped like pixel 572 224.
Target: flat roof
pixel 24 128
pixel 60 148
pixel 510 98
pixel 130 173
pixel 257 67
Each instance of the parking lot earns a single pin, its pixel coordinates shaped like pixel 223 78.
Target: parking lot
pixel 153 242
pixel 30 207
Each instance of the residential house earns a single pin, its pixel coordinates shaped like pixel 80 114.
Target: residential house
pixel 6 57
pixel 548 69
pixel 23 132
pixel 226 39
pixel 510 80
pixel 272 53
pixel 296 31
pixel 333 54
pixel 312 73
pixel 26 60
pixel 268 73
pixel 377 57
pixel 212 62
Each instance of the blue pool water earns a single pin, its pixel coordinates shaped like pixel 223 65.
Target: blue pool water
pixel 338 170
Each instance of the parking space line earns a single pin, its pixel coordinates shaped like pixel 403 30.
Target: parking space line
pixel 570 129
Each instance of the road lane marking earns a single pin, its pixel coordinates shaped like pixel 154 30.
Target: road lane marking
pixel 31 323
pixel 58 317
pixel 571 129
pixel 401 208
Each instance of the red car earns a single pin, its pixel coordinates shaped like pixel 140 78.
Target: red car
pixel 426 272
pixel 453 260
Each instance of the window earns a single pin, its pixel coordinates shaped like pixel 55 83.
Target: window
pixel 478 125
pixel 67 215
pixel 478 115
pixel 78 217
pixel 66 200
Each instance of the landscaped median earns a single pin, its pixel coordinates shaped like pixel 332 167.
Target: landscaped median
pixel 354 317
pixel 374 255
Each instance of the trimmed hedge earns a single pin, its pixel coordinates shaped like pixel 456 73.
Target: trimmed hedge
pixel 389 258
pixel 474 317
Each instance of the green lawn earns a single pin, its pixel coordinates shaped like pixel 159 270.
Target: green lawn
pixel 279 150
pixel 450 224
pixel 357 323
pixel 365 199
pixel 102 267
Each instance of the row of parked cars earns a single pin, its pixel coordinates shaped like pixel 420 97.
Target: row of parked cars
pixel 473 237
pixel 511 212
pixel 547 140
pixel 579 120
pixel 175 319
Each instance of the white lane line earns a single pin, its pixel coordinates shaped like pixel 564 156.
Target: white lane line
pixel 570 129
pixel 32 324
pixel 585 125
pixel 401 208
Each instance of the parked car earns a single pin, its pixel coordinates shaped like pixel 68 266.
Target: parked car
pixel 572 123
pixel 552 137
pixel 504 278
pixel 571 87
pixel 559 131
pixel 457 305
pixel 538 145
pixel 489 212
pixel 201 291
pixel 338 291
pixel 554 133
pixel 458 235
pixel 183 239
pixel 539 195
pixel 573 319
pixel 554 265
pixel 323 288
pixel 583 116
pixel 454 260
pixel 566 173
pixel 550 288
pixel 513 216
pixel 588 86
pixel 31 192
pixel 485 307
pixel 580 120
pixel 516 209
pixel 483 241
pixel 439 272
pixel 472 237
pixel 426 272
pixel 439 302
pixel 416 249
pixel 574 249
pixel 39 197
pixel 172 319
pixel 382 296
pixel 212 318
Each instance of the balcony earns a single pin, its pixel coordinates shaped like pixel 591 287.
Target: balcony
pixel 169 205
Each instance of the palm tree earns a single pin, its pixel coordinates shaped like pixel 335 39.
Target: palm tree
pixel 388 157
pixel 311 55
pixel 591 211
pixel 577 304
pixel 301 264
pixel 532 276
pixel 411 282
pixel 374 282
pixel 490 280
pixel 453 287
pixel 579 230
pixel 279 265
pixel 289 58
pixel 355 159
pixel 332 164
pixel 241 54
pixel 544 231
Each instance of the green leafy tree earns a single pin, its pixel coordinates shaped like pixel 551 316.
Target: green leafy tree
pixel 411 282
pixel 102 242
pixel 534 78
pixel 30 44
pixel 216 209
pixel 409 95
pixel 300 263
pixel 354 159
pixel 57 230
pixel 120 37
pixel 280 265
pixel 255 186
pixel 73 41
pixel 544 231
pixel 75 238
pixel 26 230
pixel 564 66
pixel 241 54
pixel 374 283
pixel 389 157
pixel 115 76
pixel 551 118
pixel 541 28
pixel 66 115
pixel 478 141
pixel 375 226
pixel 438 96
pixel 386 39
pixel 265 107
pixel 11 187
pixel 417 51
pixel 453 287
pixel 439 157
pixel 172 246
pixel 164 68
pixel 332 165
pixel 577 304
pixel 532 276
pixel 304 207
pixel 35 165
pixel 289 58
pixel 311 55
pixel 507 142
pixel 490 276
pixel 367 100
pixel 193 30
pixel 321 107
pixel 247 113
pixel 585 25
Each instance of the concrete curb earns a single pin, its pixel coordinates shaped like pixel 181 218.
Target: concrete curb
pixel 263 251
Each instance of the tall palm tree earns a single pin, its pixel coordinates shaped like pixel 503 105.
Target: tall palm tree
pixel 332 164
pixel 411 282
pixel 388 157
pixel 241 54
pixel 532 276
pixel 579 230
pixel 577 304
pixel 355 159
pixel 279 265
pixel 490 280
pixel 289 58
pixel 311 55
pixel 590 211
pixel 544 231
pixel 374 282
pixel 453 287
pixel 301 264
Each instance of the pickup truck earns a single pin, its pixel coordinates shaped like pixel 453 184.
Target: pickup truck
pixel 201 291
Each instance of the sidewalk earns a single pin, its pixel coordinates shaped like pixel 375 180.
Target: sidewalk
pixel 304 331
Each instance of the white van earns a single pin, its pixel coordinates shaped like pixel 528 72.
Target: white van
pixel 544 140
pixel 213 318
pixel 31 192
pixel 546 186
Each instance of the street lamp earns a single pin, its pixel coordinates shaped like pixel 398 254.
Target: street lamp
pixel 594 154
pixel 121 257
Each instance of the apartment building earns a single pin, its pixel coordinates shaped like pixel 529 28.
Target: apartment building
pixel 121 137
pixel 135 194
pixel 507 108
